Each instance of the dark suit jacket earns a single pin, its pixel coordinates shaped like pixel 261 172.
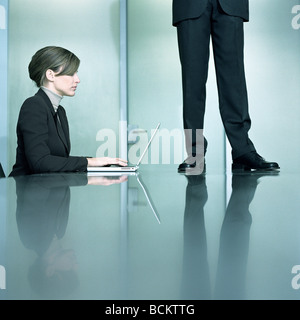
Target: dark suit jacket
pixel 40 147
pixel 191 9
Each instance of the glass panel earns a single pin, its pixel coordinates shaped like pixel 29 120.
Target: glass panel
pixel 154 75
pixel 272 50
pixel 155 95
pixel 88 28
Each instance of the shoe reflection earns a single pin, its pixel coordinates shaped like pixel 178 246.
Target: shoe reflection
pixel 233 246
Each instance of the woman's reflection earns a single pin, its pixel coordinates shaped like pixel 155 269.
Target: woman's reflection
pixel 43 203
pixel 234 240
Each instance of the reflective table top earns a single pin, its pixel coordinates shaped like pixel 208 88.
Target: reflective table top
pixel 154 235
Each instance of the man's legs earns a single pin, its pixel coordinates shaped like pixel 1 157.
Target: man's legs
pixel 228 42
pixel 193 42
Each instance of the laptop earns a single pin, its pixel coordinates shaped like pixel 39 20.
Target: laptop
pixel 113 168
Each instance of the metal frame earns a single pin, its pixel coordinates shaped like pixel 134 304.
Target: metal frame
pixel 123 81
pixel 3 81
pixel 3 131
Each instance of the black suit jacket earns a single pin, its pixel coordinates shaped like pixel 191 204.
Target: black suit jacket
pixel 41 148
pixel 191 9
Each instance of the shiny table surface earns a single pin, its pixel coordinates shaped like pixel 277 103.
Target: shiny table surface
pixel 153 236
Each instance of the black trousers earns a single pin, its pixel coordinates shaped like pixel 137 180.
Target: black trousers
pixel 227 35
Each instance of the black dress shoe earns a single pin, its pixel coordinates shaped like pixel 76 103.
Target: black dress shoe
pixel 183 166
pixel 194 168
pixel 252 161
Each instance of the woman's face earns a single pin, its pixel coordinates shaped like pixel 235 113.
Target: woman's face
pixel 65 85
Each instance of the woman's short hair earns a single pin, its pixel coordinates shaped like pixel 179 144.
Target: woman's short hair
pixel 54 58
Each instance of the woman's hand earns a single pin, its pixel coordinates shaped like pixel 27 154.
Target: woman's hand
pixel 106 161
pixel 104 181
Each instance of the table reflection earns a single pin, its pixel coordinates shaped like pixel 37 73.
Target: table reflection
pixel 117 252
pixel 234 240
pixel 42 214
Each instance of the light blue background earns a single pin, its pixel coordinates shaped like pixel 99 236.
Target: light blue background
pixel 90 28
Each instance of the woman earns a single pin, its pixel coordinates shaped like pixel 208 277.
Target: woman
pixel 42 129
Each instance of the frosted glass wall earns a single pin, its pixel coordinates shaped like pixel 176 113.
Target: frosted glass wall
pixel 272 50
pixel 90 29
pixel 155 82
pixel 272 53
